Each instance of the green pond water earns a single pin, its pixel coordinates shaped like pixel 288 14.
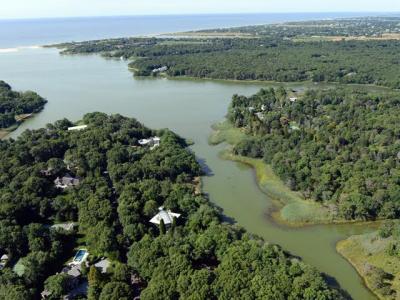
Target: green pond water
pixel 75 85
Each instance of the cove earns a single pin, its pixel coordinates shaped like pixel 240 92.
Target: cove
pixel 75 85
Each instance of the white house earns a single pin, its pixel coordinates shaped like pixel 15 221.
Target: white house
pixel 166 215
pixel 3 261
pixel 293 99
pixel 153 142
pixel 65 226
pixel 77 128
pixel 103 265
pixel 159 70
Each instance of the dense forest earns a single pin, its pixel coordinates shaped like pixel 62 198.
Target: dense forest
pixel 336 146
pixel 286 52
pixel 14 103
pixel 119 185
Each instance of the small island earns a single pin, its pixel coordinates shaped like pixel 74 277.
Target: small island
pixel 15 107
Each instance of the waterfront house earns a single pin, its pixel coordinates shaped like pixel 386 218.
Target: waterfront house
pixel 166 215
pixel 152 142
pixel 160 70
pixel 77 128
pixel 67 181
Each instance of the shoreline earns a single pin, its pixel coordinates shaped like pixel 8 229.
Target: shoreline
pixel 272 186
pixel 4 132
pixel 265 82
pixel 278 204
pixel 275 213
pixel 356 267
pixel 366 252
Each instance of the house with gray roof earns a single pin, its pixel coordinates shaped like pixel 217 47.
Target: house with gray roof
pixel 67 181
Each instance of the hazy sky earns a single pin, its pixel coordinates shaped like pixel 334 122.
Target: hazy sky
pixel 67 8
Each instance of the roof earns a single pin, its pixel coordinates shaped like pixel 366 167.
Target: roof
pixel 45 293
pixel 166 216
pixel 80 127
pixel 103 265
pixel 152 140
pixel 73 271
pixel 67 181
pixel 4 257
pixel 65 226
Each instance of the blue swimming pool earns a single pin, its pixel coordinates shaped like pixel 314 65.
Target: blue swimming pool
pixel 79 256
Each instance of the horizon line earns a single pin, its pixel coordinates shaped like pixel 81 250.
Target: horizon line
pixel 198 14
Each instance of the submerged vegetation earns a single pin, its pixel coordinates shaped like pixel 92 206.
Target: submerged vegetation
pixel 118 185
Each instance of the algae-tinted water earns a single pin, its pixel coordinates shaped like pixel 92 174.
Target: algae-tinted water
pixel 75 85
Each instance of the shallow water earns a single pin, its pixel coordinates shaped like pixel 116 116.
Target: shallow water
pixel 75 85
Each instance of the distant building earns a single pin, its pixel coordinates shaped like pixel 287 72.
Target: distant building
pixel 166 215
pixel 3 261
pixel 65 226
pixel 160 70
pixel 293 99
pixel 77 128
pixel 152 142
pixel 263 107
pixel 67 182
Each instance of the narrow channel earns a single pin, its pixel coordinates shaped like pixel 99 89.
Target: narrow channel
pixel 75 85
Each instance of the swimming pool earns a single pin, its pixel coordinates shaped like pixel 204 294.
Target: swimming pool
pixel 80 256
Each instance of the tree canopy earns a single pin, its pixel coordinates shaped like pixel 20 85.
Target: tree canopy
pixel 122 184
pixel 16 103
pixel 337 146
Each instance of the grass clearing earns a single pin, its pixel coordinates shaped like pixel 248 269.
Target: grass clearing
pixel 225 132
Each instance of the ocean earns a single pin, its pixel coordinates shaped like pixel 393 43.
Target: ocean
pixel 34 32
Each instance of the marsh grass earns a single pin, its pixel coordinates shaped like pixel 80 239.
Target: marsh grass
pixel 370 249
pixel 291 208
